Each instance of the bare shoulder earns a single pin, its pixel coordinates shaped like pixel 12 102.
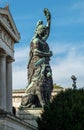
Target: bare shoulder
pixel 35 40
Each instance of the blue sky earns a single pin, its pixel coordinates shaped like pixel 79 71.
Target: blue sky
pixel 66 38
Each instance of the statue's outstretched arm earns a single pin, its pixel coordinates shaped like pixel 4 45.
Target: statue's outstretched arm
pixel 48 18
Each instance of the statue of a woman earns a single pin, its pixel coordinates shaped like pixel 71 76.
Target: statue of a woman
pixel 40 82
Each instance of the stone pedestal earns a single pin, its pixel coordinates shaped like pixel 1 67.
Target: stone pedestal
pixel 30 115
pixel 10 122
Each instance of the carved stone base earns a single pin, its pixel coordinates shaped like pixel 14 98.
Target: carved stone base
pixel 30 115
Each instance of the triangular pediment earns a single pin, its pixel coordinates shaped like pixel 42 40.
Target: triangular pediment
pixel 8 22
pixel 5 18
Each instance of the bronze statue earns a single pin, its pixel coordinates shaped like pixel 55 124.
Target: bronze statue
pixel 40 83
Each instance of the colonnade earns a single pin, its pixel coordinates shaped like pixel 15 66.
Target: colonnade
pixel 5 82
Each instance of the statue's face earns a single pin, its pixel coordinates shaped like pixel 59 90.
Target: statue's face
pixel 41 30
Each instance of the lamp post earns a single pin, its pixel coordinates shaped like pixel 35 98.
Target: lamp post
pixel 74 81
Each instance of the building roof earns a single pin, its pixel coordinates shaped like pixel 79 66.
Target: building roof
pixel 6 20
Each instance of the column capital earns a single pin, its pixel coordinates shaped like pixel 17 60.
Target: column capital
pixel 3 54
pixel 9 59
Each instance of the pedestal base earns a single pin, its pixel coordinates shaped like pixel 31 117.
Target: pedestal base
pixel 10 122
pixel 30 115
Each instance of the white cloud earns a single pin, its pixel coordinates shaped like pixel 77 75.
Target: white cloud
pixel 73 63
pixel 58 48
pixel 19 78
pixel 21 54
pixel 20 68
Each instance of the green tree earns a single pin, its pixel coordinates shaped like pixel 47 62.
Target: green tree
pixel 65 112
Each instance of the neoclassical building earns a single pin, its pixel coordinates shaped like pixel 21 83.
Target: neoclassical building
pixel 9 35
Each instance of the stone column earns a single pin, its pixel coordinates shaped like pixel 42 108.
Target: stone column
pixel 3 81
pixel 9 85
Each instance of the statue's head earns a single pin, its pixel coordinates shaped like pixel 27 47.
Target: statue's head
pixel 40 28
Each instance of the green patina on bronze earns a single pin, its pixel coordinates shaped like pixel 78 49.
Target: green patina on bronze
pixel 40 83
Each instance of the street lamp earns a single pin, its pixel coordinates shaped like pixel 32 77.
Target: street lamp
pixel 74 81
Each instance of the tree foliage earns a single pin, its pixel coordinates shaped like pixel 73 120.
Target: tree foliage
pixel 65 112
